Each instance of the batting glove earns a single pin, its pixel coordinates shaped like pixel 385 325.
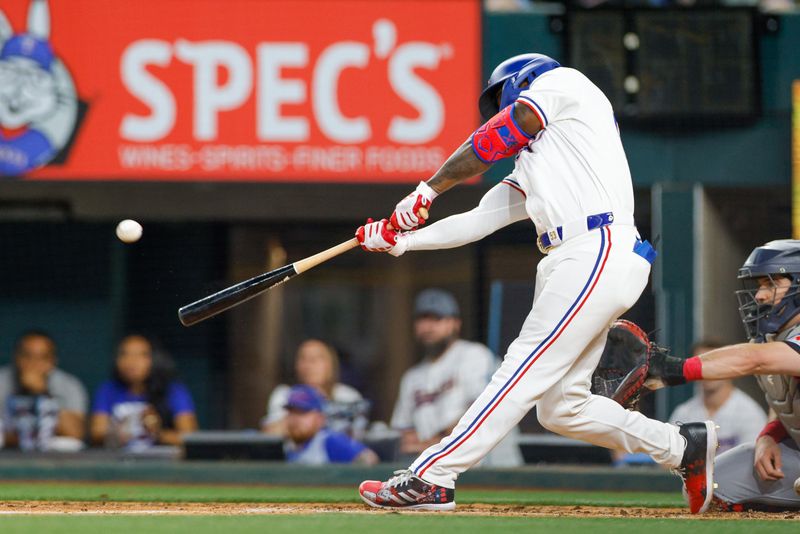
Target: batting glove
pixel 406 214
pixel 380 237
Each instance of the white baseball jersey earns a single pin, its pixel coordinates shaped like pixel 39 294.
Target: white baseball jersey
pixel 575 166
pixel 434 394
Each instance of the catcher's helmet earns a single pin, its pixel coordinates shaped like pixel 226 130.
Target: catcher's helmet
pixel 779 258
pixel 508 76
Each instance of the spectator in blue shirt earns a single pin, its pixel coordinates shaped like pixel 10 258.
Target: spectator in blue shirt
pixel 310 442
pixel 142 404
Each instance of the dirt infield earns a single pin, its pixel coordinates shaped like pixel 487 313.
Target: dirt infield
pixel 161 508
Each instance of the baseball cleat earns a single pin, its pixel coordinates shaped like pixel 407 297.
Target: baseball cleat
pixel 406 491
pixel 697 466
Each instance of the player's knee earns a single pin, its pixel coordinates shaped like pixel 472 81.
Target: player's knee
pixel 545 418
pixel 558 417
pixel 735 478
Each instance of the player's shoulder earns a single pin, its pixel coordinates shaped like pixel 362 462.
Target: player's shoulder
pixel 110 392
pixel 111 386
pixel 332 437
pixel 562 77
pixel 415 374
pixel 177 387
pixel 62 378
pixel 790 335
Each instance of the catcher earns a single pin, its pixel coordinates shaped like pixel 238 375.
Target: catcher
pixel 764 475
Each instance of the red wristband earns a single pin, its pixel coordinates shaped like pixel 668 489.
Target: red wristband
pixel 775 430
pixel 693 369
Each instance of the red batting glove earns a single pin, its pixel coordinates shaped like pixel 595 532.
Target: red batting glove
pixel 406 214
pixel 376 236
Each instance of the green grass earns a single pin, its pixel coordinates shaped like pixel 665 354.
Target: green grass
pixel 347 523
pixel 356 523
pixel 24 491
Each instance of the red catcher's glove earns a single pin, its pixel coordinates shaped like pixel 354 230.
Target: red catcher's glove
pixel 406 214
pixel 624 365
pixel 376 236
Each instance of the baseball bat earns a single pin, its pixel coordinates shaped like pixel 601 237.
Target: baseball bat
pixel 234 295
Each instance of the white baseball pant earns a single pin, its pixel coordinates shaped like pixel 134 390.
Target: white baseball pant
pixel 582 286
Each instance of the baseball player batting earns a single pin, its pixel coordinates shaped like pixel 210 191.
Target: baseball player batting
pixel 571 178
pixel 764 475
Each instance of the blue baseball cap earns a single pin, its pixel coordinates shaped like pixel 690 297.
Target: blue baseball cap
pixel 436 302
pixel 30 47
pixel 305 398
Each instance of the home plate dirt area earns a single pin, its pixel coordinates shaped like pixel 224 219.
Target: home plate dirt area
pixel 473 509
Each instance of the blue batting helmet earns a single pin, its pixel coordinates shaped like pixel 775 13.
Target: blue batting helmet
pixel 509 77
pixel 775 259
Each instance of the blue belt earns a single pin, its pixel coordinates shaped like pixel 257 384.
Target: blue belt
pixel 553 237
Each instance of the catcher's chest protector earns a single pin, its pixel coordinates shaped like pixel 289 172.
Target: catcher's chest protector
pixel 783 393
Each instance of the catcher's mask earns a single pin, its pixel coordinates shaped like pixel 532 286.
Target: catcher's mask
pixel 775 260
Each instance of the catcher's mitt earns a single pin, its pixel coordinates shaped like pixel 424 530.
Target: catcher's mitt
pixel 625 364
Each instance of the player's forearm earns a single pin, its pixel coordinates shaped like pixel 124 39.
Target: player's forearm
pixel 774 358
pixel 499 207
pixel 461 165
pixel 750 359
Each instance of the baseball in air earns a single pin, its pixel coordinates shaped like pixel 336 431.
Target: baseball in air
pixel 129 231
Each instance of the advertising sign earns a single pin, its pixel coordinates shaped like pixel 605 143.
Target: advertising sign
pixel 336 90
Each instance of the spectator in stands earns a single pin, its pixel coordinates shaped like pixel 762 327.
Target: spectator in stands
pixel 739 417
pixel 42 407
pixel 436 392
pixel 142 404
pixel 317 365
pixel 310 441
